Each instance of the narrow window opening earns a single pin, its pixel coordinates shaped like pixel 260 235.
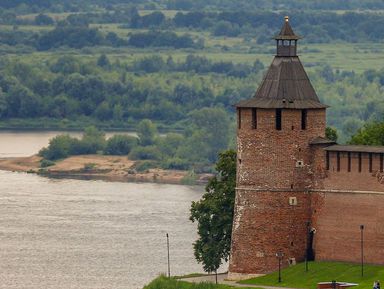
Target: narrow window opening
pixel 278 118
pixel 327 160
pixel 381 163
pixel 303 119
pixel 338 161
pixel 239 118
pixel 370 162
pixel 254 118
pixel 349 161
pixel 359 162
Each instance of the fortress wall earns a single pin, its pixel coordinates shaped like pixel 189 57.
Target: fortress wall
pixel 265 223
pixel 365 180
pixel 337 217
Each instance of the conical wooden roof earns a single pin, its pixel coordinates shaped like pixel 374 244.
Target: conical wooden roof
pixel 286 84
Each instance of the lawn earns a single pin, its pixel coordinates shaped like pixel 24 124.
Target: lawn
pixel 297 277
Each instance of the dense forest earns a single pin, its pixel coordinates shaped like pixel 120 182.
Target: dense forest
pixel 66 64
pixel 75 5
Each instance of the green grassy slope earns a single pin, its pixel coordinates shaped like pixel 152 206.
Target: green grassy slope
pixel 297 277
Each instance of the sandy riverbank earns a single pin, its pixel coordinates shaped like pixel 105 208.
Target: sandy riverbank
pixel 110 168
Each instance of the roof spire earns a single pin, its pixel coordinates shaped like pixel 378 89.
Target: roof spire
pixel 286 32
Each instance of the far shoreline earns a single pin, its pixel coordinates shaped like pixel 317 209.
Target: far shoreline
pixel 101 167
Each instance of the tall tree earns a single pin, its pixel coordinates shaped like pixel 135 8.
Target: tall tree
pixel 214 214
pixel 331 133
pixel 370 134
pixel 147 132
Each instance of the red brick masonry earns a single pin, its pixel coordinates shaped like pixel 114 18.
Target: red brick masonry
pixel 284 183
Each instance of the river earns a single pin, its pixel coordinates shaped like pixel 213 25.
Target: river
pixel 57 233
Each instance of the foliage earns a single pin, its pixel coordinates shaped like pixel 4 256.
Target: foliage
pixel 62 146
pixel 46 163
pixel 331 133
pixel 72 36
pixel 161 39
pixel 214 214
pixel 370 134
pixel 145 165
pixel 147 132
pixel 169 146
pixel 120 145
pixel 296 277
pixel 89 167
pixel 175 164
pixel 43 19
pixel 145 153
pixel 59 147
pixel 92 142
pixel 210 135
pixel 80 77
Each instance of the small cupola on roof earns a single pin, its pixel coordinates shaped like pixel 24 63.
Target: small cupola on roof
pixel 286 84
pixel 286 40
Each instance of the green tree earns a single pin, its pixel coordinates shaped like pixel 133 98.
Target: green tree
pixel 66 64
pixel 118 113
pixel 93 140
pixel 147 132
pixel 103 61
pixel 3 104
pixel 369 134
pixel 120 144
pixel 331 133
pixel 214 214
pixel 169 144
pixel 103 111
pixel 59 147
pixel 43 19
pixel 214 125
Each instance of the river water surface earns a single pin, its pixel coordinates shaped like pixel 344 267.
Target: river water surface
pixel 90 234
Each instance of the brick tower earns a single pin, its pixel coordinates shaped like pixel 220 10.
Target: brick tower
pixel 275 164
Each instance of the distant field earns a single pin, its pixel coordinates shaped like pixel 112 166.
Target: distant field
pixel 25 28
pixel 55 16
pixel 344 56
pixel 340 56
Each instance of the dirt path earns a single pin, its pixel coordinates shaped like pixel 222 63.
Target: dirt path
pixel 222 279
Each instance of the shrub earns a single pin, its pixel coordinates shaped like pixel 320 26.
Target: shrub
pixel 145 153
pixel 147 132
pixel 59 147
pixel 145 165
pixel 175 164
pixel 89 167
pixel 120 145
pixel 92 142
pixel 46 163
